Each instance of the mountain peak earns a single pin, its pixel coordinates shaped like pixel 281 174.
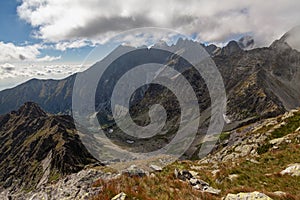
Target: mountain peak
pixel 291 38
pixel 32 110
pixel 280 45
pixel 231 48
pixel 246 42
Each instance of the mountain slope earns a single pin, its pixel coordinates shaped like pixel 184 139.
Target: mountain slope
pixel 37 148
pixel 53 96
pixel 272 73
pixel 259 83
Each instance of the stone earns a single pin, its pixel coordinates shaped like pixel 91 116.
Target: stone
pixel 211 190
pixel 176 173
pixel 197 184
pixel 120 196
pixel 194 174
pixel 194 181
pixel 247 196
pixel 245 150
pixel 277 141
pixel 233 176
pixel 187 174
pixel 214 172
pixel 156 168
pixel 253 161
pixel 279 193
pixel 197 187
pixel 293 170
pixel 133 170
pixel 183 175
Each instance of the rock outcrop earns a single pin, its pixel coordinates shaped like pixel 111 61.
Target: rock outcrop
pixel 292 169
pixel 196 183
pixel 247 196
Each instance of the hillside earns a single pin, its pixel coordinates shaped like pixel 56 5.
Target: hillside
pixel 37 148
pixel 261 156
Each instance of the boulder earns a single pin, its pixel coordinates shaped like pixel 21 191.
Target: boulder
pixel 156 168
pixel 293 170
pixel 247 196
pixel 197 184
pixel 211 190
pixel 133 170
pixel 120 196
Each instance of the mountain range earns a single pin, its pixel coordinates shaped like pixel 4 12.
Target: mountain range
pixel 41 148
pixel 259 83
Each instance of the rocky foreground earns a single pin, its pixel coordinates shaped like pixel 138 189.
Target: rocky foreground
pixel 256 161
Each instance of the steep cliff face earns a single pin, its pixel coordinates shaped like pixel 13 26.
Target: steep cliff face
pixel 37 148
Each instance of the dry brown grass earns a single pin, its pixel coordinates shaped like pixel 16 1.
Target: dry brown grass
pixel 149 188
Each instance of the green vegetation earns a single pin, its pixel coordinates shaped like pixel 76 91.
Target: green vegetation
pixel 292 124
pixel 54 176
pixel 264 148
pixel 264 175
pixel 224 136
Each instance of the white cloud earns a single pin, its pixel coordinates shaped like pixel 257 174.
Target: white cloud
pixel 62 46
pixel 10 52
pixel 293 38
pixel 214 20
pixel 12 75
pixel 7 67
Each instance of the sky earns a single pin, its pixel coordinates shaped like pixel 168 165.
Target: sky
pixel 51 38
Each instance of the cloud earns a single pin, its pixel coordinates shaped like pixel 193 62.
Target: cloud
pixel 12 75
pixel 214 21
pixel 10 52
pixel 62 46
pixel 293 38
pixel 7 67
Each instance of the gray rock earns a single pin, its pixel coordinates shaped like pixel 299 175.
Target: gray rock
pixel 75 186
pixel 120 196
pixel 247 196
pixel 194 181
pixel 211 190
pixel 133 170
pixel 293 170
pixel 156 168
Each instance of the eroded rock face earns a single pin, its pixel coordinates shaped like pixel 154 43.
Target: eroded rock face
pixel 247 196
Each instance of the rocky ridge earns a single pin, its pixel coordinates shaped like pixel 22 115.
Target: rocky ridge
pixel 38 148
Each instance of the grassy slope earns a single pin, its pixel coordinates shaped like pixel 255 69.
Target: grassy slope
pixel 263 175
